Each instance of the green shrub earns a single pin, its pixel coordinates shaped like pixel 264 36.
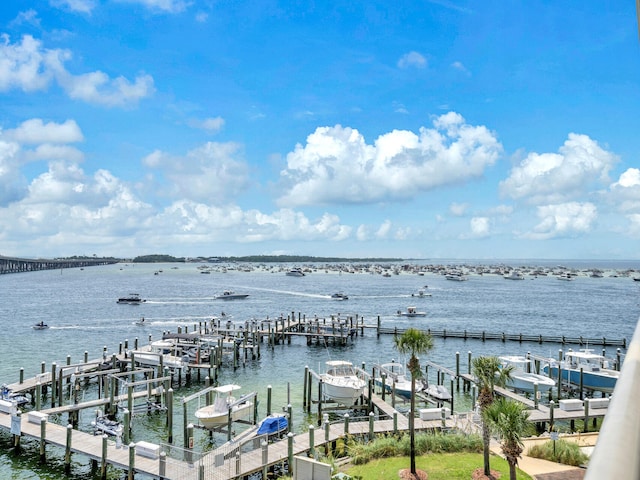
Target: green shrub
pixel 567 453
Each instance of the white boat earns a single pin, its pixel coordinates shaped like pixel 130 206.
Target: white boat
pixel 230 295
pixel 438 392
pixel 455 276
pixel 421 294
pixel 567 277
pixel 160 349
pixel 596 370
pixel 513 275
pixel 395 378
pixel 524 380
pixel 341 382
pixel 339 296
pixel 295 272
pixel 132 299
pixel 411 312
pixel 102 424
pixel 224 405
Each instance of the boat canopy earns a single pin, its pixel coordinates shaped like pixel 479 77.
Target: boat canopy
pixel 227 388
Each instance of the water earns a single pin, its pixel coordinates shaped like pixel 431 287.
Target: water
pixel 80 307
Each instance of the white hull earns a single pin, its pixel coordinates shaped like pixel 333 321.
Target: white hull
pixel 153 360
pixel 343 390
pixel 212 418
pixel 524 381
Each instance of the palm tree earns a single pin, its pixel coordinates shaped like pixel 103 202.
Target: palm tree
pixel 413 342
pixel 510 421
pixel 489 373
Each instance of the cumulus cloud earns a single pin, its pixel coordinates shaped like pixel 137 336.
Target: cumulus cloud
pixel 35 130
pixel 563 220
pixel 337 165
pixel 211 124
pixel 479 227
pixel 412 59
pixel 211 173
pixel 557 177
pixel 28 66
pixel 625 193
pixel 458 209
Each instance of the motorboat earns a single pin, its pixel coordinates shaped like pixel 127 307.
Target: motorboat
pixel 40 326
pixel 421 294
pixel 132 299
pixel 295 272
pixel 339 296
pixel 411 312
pixel 160 351
pixel 456 276
pixel 225 406
pixel 523 377
pixel 513 275
pixel 142 322
pixel 7 395
pixel 341 382
pixel 396 379
pixel 104 425
pixel 230 295
pixel 438 392
pixel 273 426
pixel 595 370
pixel 567 277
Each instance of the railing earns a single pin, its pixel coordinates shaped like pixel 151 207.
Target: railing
pixel 616 453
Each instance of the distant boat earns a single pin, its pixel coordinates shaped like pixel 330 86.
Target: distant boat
pixel 595 370
pixel 565 276
pixel 339 296
pixel 40 326
pixel 132 299
pixel 421 293
pixel 411 312
pixel 230 295
pixel 295 272
pixel 455 276
pixel 513 275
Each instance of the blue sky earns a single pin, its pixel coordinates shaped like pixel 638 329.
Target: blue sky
pixel 415 129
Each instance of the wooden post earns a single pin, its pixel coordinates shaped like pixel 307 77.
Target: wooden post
pixel 21 381
pixel 132 460
pixel 304 388
pixel 127 425
pixel 67 451
pixel 586 415
pixel 312 442
pixel 43 436
pixel 53 384
pixel 169 403
pixel 189 445
pixel 457 372
pixel 162 468
pixel 290 453
pixel 551 408
pixel 290 417
pixel 372 418
pixel 103 463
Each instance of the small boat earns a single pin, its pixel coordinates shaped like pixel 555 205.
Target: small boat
pixel 230 295
pixel 341 382
pixel 160 351
pixel 339 296
pixel 102 424
pixel 595 369
pixel 421 294
pixel 411 312
pixel 142 322
pixel 295 272
pixel 7 395
pixel 132 299
pixel 513 275
pixel 225 405
pixel 455 276
pixel 567 277
pixel 395 378
pixel 523 377
pixel 40 326
pixel 273 426
pixel 438 392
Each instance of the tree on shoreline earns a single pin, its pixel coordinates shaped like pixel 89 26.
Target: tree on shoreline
pixel 413 342
pixel 489 373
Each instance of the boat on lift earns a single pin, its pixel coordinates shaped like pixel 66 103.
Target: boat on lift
pixel 225 406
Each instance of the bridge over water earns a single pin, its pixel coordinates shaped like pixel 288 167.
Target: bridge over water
pixel 20 265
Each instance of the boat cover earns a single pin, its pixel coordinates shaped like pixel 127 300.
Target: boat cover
pixel 271 425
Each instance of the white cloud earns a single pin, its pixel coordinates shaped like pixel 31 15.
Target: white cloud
pixel 556 177
pixel 337 165
pixel 167 6
pixel 211 173
pixel 29 17
pixel 625 193
pixel 36 131
pixel 211 124
pixel 412 59
pixel 563 220
pixel 82 6
pixel 29 66
pixel 461 68
pixel 202 17
pixel 480 227
pixel 458 209
pixel 634 225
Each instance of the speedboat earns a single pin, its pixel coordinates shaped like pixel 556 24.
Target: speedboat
pixel 421 294
pixel 295 272
pixel 411 312
pixel 513 275
pixel 230 295
pixel 456 276
pixel 102 424
pixel 339 296
pixel 40 326
pixel 225 404
pixel 438 392
pixel 567 277
pixel 273 426
pixel 395 378
pixel 341 382
pixel 522 376
pixel 132 299
pixel 596 371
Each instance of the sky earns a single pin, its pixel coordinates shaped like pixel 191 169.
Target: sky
pixel 418 129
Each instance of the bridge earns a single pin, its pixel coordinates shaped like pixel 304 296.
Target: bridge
pixel 21 265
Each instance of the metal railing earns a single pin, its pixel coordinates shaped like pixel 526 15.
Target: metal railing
pixel 616 453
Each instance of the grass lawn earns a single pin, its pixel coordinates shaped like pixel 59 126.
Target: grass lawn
pixel 441 466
